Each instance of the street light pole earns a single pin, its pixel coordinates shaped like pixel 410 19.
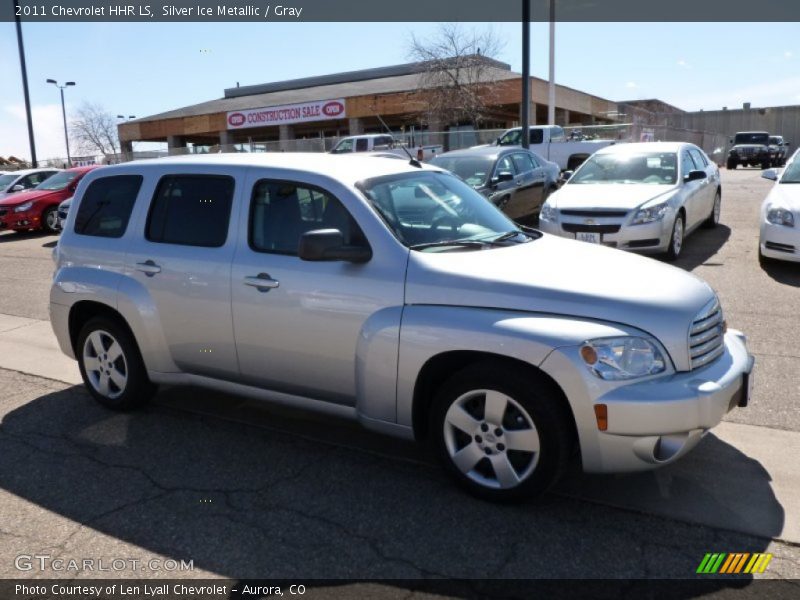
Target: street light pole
pixel 24 71
pixel 525 109
pixel 64 114
pixel 551 91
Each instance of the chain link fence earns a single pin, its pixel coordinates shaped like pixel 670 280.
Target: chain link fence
pixel 714 144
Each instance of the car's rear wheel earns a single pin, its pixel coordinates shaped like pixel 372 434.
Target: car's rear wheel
pixel 50 219
pixel 713 219
pixel 111 365
pixel 676 239
pixel 731 165
pixel 500 435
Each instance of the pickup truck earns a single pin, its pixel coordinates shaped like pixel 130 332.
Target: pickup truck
pixel 395 295
pixel 384 144
pixel 550 142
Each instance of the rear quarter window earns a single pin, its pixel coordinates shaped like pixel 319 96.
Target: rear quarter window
pixel 106 206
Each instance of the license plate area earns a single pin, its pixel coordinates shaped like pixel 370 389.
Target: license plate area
pixel 588 236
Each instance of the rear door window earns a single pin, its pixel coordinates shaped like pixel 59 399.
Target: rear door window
pixel 191 210
pixel 106 206
pixel 522 162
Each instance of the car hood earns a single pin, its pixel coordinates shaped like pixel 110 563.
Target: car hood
pixel 20 197
pixel 785 195
pixel 599 196
pixel 554 275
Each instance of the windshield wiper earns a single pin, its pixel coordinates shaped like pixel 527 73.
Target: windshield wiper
pixel 456 243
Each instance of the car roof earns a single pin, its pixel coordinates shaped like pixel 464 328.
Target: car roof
pixel 29 171
pixel 344 168
pixel 645 147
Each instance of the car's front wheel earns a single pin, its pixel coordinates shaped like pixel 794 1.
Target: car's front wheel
pixel 50 219
pixel 676 239
pixel 499 434
pixel 111 365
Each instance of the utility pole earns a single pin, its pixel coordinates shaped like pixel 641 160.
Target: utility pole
pixel 525 108
pixel 551 87
pixel 24 71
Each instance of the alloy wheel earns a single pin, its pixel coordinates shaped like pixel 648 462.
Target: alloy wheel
pixel 491 439
pixel 105 364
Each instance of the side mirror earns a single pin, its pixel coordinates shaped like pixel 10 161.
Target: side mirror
pixel 771 174
pixel 503 176
pixel 695 175
pixel 328 245
pixel 17 188
pixel 565 175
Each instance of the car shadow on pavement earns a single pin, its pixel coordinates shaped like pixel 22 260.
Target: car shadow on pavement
pixel 784 272
pixel 701 245
pixel 246 491
pixel 17 236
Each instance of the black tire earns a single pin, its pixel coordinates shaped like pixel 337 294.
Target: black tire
pixel 713 219
pixel 674 253
pixel 532 410
pixel 766 164
pixel 573 162
pixel 731 165
pixel 50 215
pixel 138 388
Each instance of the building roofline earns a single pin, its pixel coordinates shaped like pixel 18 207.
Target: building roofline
pixel 348 77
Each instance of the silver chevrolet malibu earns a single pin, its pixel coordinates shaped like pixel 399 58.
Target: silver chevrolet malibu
pixel 394 294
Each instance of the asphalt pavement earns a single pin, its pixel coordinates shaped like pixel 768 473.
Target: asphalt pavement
pixel 245 490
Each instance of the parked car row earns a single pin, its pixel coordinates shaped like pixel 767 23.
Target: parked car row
pixel 757 148
pixel 37 208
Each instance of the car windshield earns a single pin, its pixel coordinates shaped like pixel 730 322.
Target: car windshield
pixel 656 168
pixel 791 174
pixel 436 211
pixel 7 180
pixel 751 138
pixel 474 170
pixel 58 181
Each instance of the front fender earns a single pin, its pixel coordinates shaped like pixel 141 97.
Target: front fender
pixel 428 331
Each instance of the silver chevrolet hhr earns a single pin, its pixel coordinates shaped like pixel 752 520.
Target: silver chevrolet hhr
pixel 394 294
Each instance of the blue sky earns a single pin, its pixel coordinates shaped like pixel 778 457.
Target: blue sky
pixel 143 68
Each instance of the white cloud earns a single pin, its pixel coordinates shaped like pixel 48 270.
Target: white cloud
pixel 683 64
pixel 631 85
pixel 788 54
pixel 48 131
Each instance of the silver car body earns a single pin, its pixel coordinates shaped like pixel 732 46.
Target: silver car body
pixel 608 210
pixel 353 339
pixel 28 178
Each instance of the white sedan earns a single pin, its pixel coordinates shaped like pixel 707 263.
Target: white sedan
pixel 780 214
pixel 645 197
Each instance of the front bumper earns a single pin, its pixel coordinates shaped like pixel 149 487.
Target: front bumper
pixel 647 238
pixel 779 242
pixel 654 422
pixel 19 221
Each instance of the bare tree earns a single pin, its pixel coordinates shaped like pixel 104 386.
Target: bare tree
pixel 93 130
pixel 456 77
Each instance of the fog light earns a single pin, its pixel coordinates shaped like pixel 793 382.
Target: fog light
pixel 601 414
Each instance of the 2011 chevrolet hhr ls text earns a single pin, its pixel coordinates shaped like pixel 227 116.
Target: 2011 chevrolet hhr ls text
pixel 394 294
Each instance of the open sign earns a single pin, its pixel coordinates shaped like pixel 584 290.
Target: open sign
pixel 236 119
pixel 332 109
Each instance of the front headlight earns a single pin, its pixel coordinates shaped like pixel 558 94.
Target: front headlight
pixel 616 359
pixel 23 207
pixel 648 214
pixel 548 213
pixel 780 216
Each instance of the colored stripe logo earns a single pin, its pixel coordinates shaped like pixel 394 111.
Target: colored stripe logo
pixel 733 563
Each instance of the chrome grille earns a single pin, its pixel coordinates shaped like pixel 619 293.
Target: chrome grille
pixel 706 335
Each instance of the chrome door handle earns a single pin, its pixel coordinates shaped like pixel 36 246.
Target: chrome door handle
pixel 148 267
pixel 262 281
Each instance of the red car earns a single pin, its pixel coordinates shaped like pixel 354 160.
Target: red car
pixel 38 208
